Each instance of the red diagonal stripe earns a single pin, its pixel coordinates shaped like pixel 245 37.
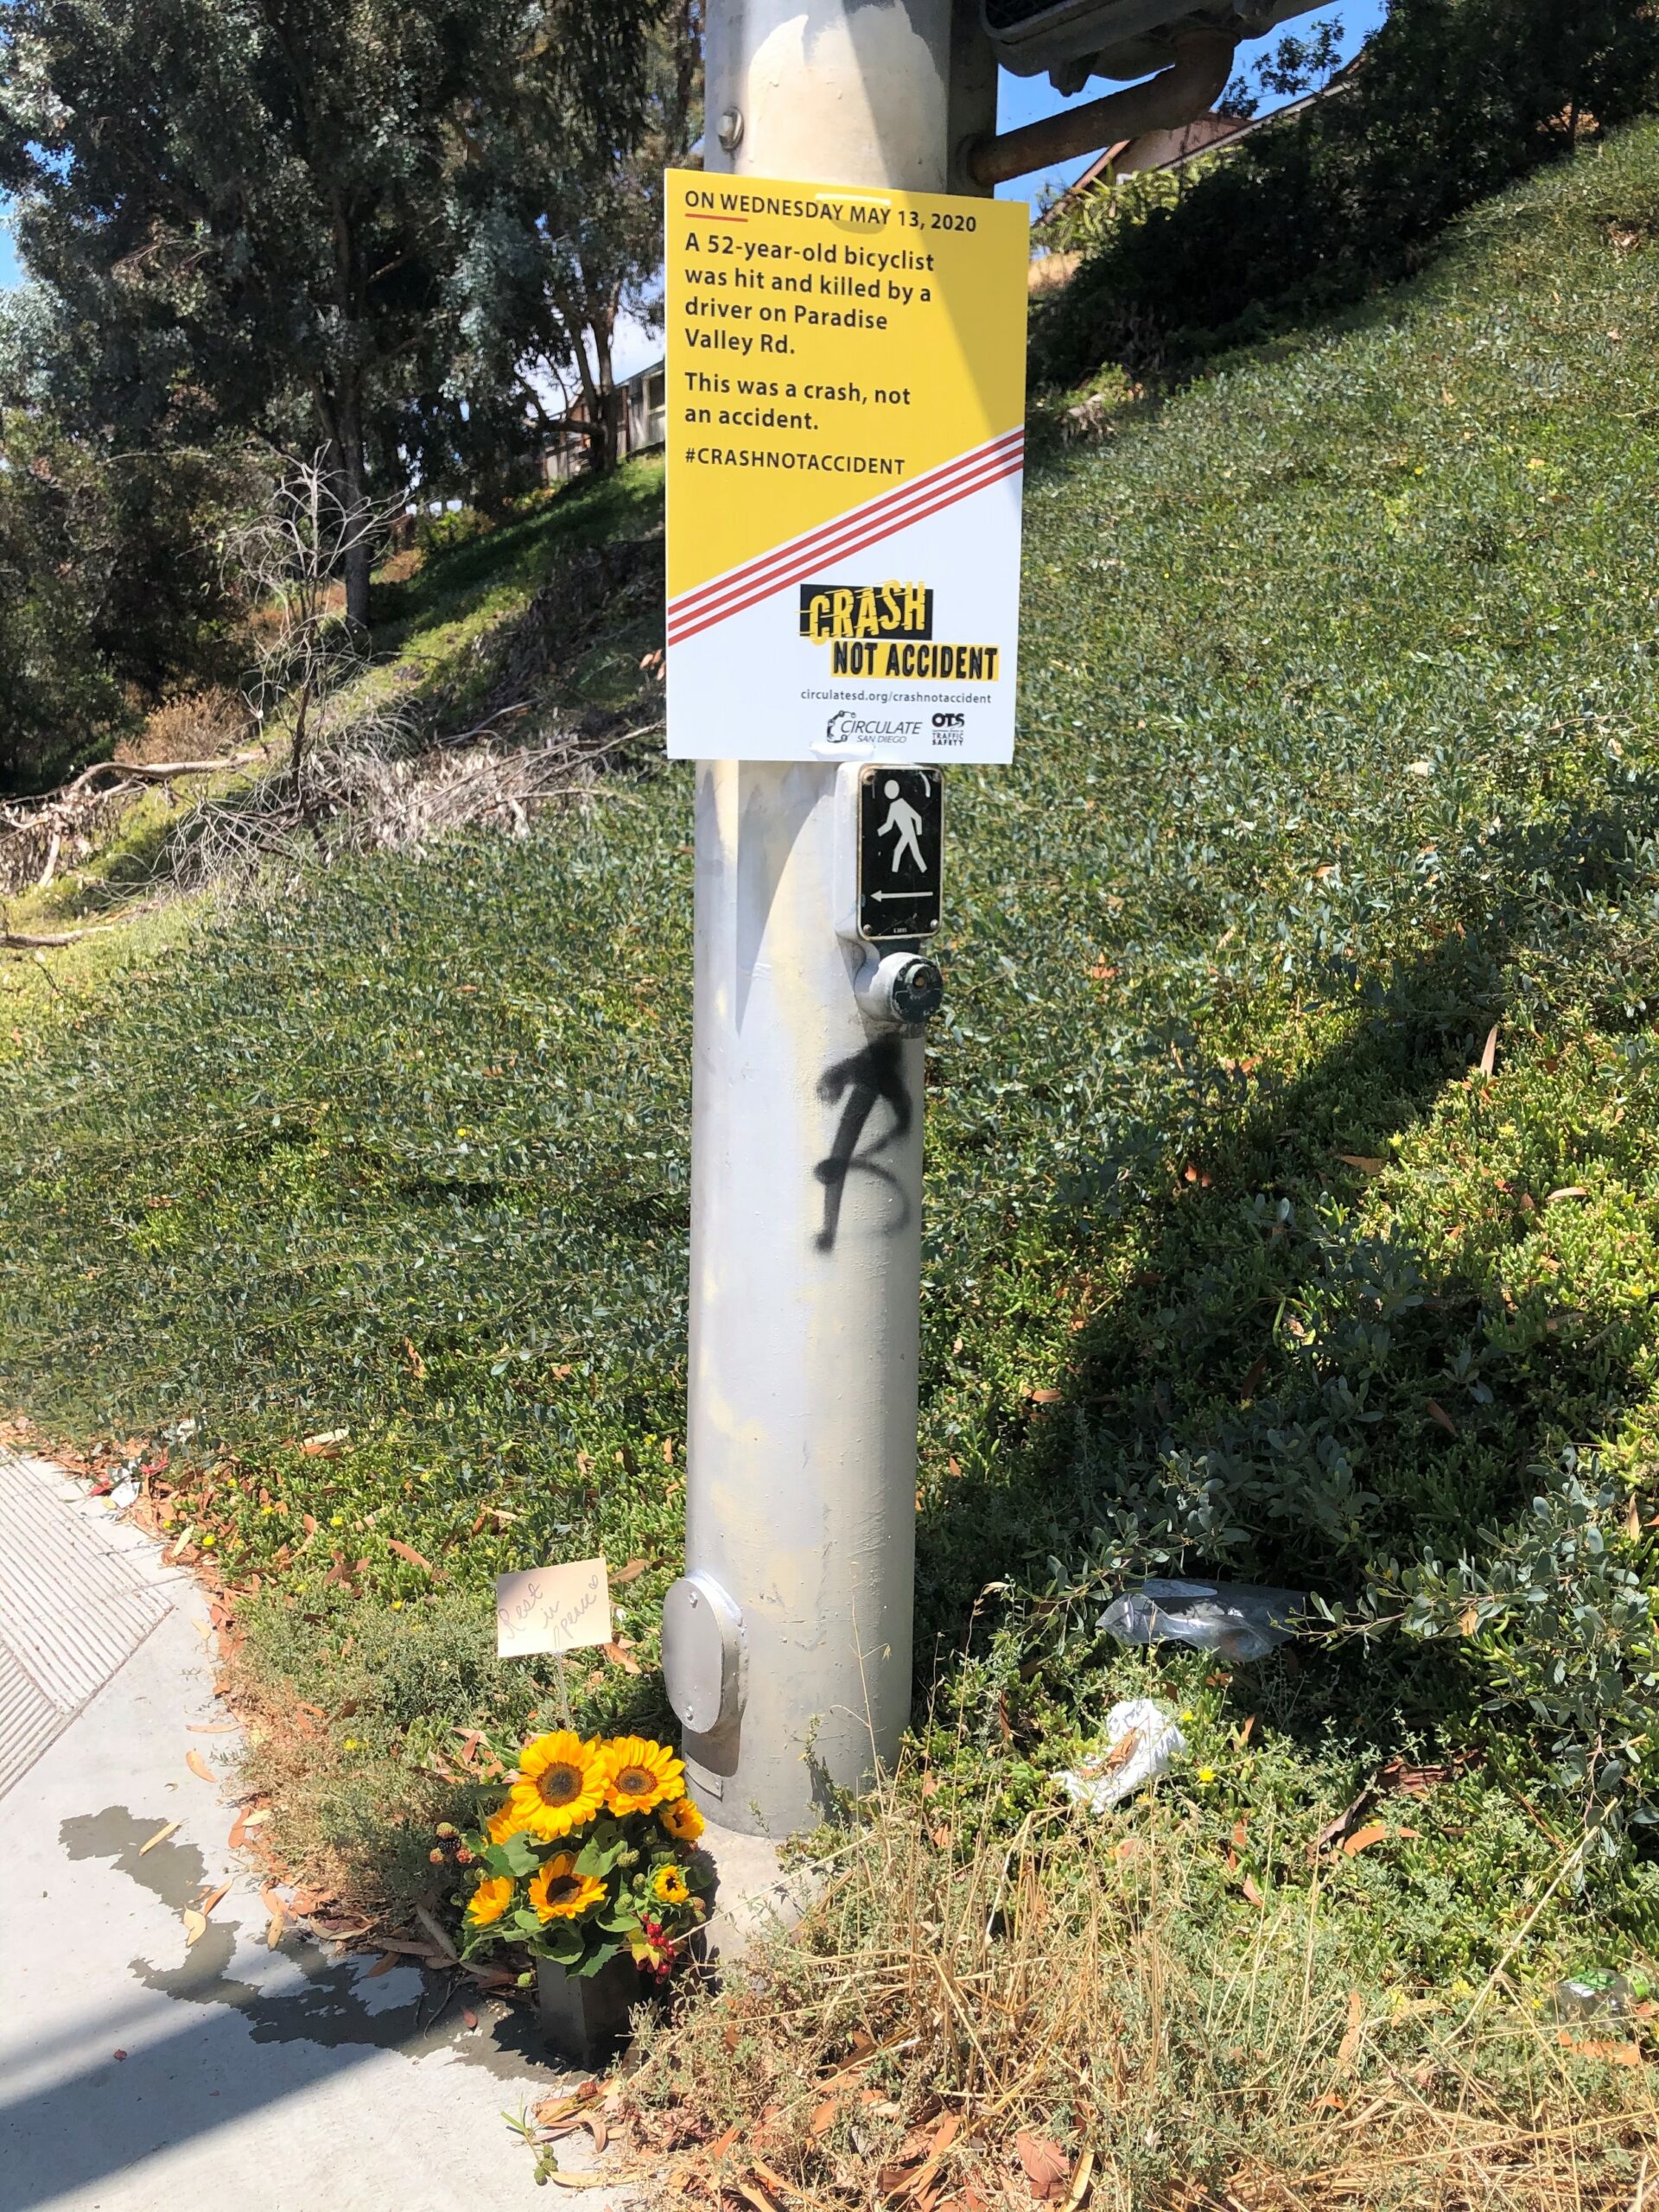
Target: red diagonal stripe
pixel 689 626
pixel 693 625
pixel 848 534
pixel 824 537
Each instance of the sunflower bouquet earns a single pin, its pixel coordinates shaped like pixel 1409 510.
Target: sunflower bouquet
pixel 593 1854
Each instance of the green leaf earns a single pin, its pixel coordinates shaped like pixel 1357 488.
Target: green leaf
pixel 520 1855
pixel 600 1853
pixel 600 1955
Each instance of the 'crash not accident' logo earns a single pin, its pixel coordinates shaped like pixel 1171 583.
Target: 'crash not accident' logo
pixel 886 631
pixel 891 610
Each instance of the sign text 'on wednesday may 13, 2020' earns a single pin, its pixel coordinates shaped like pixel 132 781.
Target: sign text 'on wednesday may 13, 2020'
pixel 845 437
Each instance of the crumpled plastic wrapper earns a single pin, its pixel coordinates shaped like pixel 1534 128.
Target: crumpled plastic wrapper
pixel 1142 1742
pixel 1239 1620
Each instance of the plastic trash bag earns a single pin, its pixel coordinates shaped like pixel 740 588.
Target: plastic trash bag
pixel 1107 1776
pixel 1596 1995
pixel 1240 1620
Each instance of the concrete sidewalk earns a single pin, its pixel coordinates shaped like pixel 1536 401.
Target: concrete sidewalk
pixel 136 2074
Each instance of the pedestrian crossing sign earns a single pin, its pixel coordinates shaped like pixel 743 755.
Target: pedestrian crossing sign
pixel 900 851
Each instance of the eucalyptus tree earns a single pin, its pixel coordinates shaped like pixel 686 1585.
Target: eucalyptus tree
pixel 570 228
pixel 257 214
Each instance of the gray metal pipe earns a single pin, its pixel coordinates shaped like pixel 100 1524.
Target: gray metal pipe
pixel 1182 93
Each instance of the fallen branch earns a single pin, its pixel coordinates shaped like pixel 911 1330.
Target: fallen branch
pixel 29 941
pixel 153 771
pixel 33 831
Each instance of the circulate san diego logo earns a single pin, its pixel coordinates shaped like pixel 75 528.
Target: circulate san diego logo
pixel 845 727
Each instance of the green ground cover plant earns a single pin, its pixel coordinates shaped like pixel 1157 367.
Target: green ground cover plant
pixel 1293 1212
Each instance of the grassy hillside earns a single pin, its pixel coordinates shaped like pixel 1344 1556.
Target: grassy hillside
pixel 1292 1200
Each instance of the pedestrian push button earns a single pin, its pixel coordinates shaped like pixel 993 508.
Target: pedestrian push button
pixel 902 990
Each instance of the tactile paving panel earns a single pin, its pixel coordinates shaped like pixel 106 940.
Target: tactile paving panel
pixel 74 1603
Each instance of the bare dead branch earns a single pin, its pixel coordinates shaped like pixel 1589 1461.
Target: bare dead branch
pixel 51 940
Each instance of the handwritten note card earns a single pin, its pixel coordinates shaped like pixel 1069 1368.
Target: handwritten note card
pixel 552 1608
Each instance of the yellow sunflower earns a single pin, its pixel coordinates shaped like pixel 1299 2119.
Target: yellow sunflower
pixel 668 1886
pixel 682 1820
pixel 641 1775
pixel 559 1785
pixel 489 1900
pixel 559 1892
pixel 502 1823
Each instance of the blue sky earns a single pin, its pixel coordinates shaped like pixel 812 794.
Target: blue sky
pixel 1023 100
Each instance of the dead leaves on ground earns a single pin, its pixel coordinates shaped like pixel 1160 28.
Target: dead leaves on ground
pixel 1610 2054
pixel 249 1817
pixel 919 2174
pixel 196 1916
pixel 1048 2168
pixel 408 1552
pixel 1362 1838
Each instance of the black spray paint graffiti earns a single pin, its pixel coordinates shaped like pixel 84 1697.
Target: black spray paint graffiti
pixel 868 1079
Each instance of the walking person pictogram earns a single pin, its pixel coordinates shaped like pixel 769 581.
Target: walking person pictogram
pixel 903 817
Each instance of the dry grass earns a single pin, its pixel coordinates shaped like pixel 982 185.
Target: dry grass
pixel 1074 2012
pixel 199 725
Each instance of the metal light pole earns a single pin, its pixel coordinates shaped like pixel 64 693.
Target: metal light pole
pixel 787 1643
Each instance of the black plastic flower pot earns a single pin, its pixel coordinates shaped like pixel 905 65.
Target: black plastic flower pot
pixel 585 2021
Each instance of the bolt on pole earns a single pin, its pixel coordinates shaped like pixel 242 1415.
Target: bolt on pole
pixel 787 1642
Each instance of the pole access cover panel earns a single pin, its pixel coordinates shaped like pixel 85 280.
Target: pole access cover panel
pixel 900 851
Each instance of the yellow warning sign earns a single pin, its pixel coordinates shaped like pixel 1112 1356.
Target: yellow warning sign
pixel 845 437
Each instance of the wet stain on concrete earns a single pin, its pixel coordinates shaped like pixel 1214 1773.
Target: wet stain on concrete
pixel 328 2008
pixel 171 1871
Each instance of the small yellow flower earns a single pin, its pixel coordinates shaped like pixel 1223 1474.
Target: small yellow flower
pixel 353 1744
pixel 489 1900
pixel 681 1819
pixel 207 1542
pixel 1206 1773
pixel 559 1786
pixel 641 1775
pixel 668 1885
pixel 559 1892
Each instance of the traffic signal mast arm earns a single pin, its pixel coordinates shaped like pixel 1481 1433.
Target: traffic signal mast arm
pixel 1188 89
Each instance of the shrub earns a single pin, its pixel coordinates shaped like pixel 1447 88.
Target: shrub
pixel 443 533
